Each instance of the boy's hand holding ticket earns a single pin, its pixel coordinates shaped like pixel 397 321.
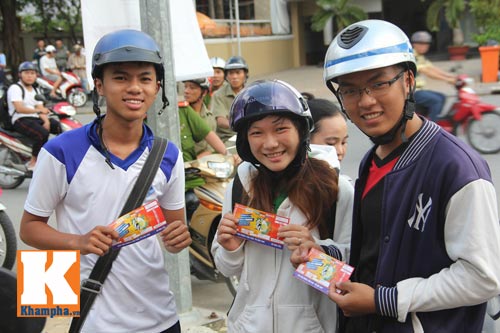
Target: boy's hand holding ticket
pixel 138 224
pixel 321 270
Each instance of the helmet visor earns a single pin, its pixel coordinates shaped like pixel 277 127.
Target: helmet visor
pixel 257 102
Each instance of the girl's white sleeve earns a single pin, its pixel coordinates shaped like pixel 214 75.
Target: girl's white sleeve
pixel 343 220
pixel 229 263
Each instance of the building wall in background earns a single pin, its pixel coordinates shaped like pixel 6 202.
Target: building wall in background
pixel 263 54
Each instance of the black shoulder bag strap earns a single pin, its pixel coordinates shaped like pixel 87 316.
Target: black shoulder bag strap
pixel 91 287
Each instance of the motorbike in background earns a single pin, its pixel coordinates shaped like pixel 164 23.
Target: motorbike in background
pixel 70 89
pixel 204 211
pixel 8 240
pixel 479 121
pixel 15 148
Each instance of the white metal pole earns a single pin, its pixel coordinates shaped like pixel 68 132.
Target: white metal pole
pixel 237 13
pixel 155 20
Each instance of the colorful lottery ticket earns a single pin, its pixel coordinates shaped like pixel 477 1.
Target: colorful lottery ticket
pixel 138 224
pixel 258 226
pixel 321 270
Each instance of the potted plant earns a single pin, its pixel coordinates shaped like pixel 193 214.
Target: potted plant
pixel 335 15
pixel 486 14
pixel 453 13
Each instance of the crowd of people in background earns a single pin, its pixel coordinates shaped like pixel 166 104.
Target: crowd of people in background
pixel 54 59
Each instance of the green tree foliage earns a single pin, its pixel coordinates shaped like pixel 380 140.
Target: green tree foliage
pixel 453 13
pixel 42 16
pixel 342 12
pixel 54 15
pixel 487 17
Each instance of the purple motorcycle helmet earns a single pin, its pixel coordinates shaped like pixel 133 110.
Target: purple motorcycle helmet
pixel 269 97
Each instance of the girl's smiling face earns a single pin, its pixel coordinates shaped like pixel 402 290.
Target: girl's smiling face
pixel 274 141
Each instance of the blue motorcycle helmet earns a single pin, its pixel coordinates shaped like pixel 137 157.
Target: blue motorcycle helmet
pixel 27 66
pixel 128 45
pixel 120 46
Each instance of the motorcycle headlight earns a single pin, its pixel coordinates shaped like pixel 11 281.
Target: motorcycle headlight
pixel 221 169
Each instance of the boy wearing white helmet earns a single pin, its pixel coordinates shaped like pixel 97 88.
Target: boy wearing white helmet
pixel 236 74
pixel 425 238
pixel 217 81
pixel 433 101
pixel 49 70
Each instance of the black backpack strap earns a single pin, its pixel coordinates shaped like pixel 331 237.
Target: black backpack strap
pixel 236 191
pixel 22 89
pixel 333 211
pixel 92 286
pixel 331 219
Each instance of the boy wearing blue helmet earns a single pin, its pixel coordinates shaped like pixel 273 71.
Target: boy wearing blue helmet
pixel 29 116
pixel 425 236
pixel 93 170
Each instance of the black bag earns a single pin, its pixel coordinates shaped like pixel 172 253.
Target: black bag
pixel 5 117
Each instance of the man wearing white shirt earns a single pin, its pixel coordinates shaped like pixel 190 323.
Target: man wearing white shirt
pixel 48 67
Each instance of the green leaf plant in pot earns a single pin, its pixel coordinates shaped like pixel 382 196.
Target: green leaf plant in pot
pixel 486 15
pixel 453 11
pixel 334 15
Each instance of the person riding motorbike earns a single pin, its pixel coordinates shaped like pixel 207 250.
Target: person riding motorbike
pixel 49 70
pixel 432 100
pixel 29 116
pixel 236 73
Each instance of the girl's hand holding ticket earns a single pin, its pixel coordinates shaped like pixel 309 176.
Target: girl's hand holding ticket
pixel 226 232
pixel 293 235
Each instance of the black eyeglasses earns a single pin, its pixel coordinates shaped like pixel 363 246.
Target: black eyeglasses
pixel 351 95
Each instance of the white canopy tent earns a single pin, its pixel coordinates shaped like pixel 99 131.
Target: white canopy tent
pixel 190 55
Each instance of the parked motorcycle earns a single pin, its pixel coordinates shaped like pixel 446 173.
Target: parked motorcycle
pixel 479 121
pixel 15 148
pixel 204 210
pixel 70 89
pixel 8 241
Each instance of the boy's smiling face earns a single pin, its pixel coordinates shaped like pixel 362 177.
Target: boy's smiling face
pixel 130 88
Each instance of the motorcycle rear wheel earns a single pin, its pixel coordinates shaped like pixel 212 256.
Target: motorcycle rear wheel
pixel 77 97
pixel 8 241
pixel 8 156
pixel 484 134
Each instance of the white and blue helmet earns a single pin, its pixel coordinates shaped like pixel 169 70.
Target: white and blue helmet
pixel 367 45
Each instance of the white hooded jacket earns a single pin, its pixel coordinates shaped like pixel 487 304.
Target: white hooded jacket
pixel 269 298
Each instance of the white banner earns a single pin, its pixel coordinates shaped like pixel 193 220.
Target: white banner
pixel 190 54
